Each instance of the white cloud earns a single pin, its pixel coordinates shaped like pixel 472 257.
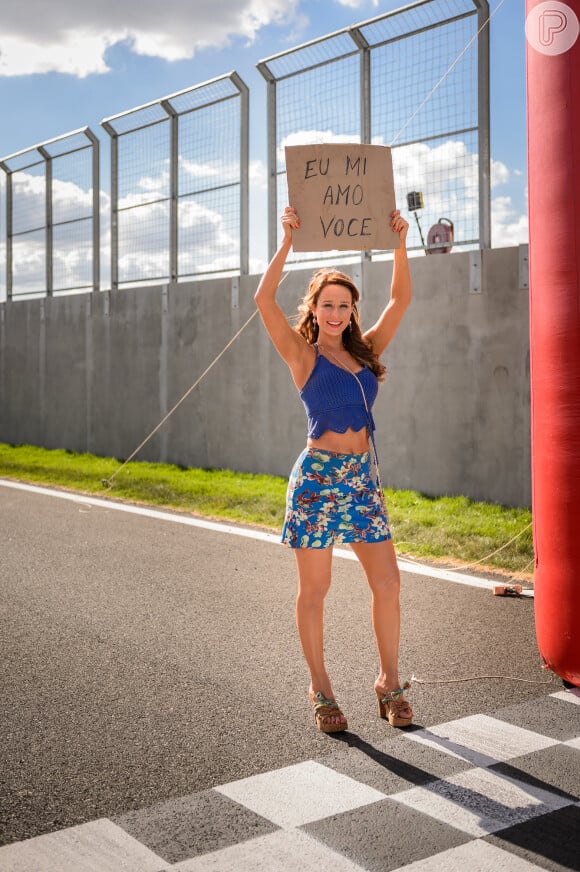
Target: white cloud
pixel 69 201
pixel 72 255
pixel 447 176
pixel 499 173
pixel 311 137
pixel 258 175
pixel 72 37
pixel 154 186
pixel 209 173
pixel 507 226
pixel 207 242
pixel 72 52
pixel 356 4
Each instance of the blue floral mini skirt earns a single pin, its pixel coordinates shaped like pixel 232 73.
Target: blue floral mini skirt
pixel 334 499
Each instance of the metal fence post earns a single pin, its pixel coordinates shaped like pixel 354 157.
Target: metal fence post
pixel 9 243
pixel 245 173
pixel 364 83
pixel 8 173
pixel 114 221
pixel 483 123
pixel 173 188
pixel 96 210
pixel 48 234
pixel 271 158
pixel 365 101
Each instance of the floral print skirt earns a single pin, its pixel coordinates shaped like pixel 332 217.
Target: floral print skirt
pixel 334 499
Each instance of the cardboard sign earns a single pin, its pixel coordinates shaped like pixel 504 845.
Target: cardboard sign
pixel 344 195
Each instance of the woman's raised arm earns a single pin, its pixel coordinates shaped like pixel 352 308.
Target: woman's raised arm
pixel 290 345
pixel 381 333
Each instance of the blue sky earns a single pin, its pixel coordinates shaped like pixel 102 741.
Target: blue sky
pixel 66 64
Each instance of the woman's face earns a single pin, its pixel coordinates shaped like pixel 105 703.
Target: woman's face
pixel 333 310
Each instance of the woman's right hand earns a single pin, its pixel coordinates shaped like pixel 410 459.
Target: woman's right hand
pixel 290 221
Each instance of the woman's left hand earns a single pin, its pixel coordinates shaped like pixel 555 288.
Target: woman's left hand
pixel 399 225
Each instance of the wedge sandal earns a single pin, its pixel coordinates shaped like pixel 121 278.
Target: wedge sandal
pixel 392 705
pixel 324 711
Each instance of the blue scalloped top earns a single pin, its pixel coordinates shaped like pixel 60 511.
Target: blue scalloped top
pixel 333 398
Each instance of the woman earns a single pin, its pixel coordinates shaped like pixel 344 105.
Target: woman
pixel 334 495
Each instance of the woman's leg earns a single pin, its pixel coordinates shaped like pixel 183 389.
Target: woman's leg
pixel 380 565
pixel 314 574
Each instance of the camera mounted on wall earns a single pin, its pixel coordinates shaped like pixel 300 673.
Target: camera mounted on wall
pixel 440 235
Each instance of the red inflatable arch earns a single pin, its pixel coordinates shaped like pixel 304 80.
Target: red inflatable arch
pixel 553 86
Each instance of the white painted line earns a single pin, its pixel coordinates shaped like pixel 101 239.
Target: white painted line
pixel 445 574
pixel 572 694
pixel 100 844
pixel 476 855
pixel 219 527
pixel 145 512
pixel 291 850
pixel 480 801
pixel 300 794
pixel 481 739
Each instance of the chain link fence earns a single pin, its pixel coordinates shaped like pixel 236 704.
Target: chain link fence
pixel 179 185
pixel 51 223
pixel 177 207
pixel 416 79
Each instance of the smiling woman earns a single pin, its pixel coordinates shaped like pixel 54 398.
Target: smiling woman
pixel 334 494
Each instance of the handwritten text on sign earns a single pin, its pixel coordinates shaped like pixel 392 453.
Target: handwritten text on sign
pixel 344 195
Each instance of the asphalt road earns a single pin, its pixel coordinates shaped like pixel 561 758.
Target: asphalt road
pixel 143 660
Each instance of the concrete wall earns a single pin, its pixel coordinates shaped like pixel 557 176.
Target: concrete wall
pixel 98 372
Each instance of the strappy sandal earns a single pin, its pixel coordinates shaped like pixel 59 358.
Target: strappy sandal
pixel 324 710
pixel 391 705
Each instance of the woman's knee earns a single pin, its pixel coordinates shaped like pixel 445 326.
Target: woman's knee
pixel 312 593
pixel 385 584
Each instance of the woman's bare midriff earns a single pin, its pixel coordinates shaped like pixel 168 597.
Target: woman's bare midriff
pixel 351 442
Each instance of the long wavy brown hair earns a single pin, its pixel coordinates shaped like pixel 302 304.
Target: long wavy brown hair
pixel 352 338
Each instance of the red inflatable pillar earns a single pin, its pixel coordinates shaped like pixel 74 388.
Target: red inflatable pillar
pixel 553 86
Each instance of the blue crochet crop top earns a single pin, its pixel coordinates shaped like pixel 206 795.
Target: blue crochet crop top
pixel 333 399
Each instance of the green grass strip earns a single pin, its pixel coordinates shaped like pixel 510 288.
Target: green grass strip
pixel 448 529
